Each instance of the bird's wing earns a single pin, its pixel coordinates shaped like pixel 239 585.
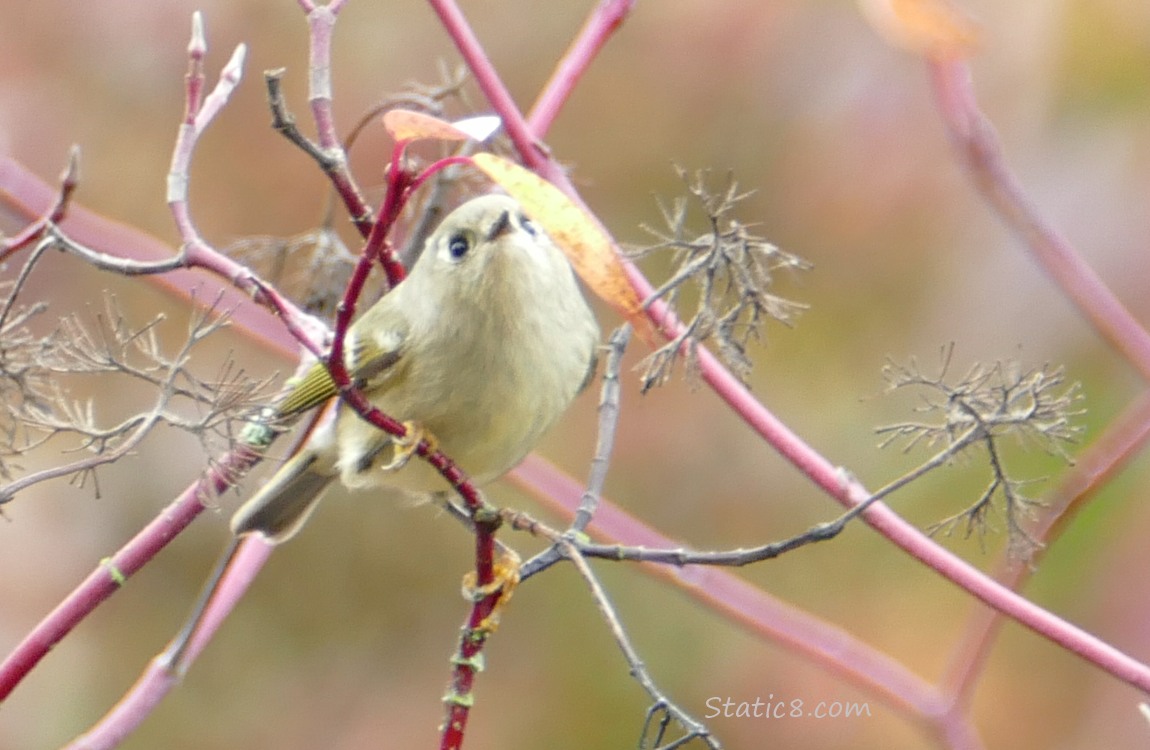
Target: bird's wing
pixel 371 360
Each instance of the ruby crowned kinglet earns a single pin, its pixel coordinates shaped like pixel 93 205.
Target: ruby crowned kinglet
pixel 483 346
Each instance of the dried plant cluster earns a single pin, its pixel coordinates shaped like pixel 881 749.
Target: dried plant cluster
pixel 39 407
pixel 988 405
pixel 732 270
pixel 720 267
pixel 312 267
pixel 25 384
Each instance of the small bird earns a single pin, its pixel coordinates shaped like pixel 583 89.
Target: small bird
pixel 480 350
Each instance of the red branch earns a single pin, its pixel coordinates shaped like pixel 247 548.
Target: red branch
pixel 106 579
pixel 603 21
pixel 53 215
pixel 810 462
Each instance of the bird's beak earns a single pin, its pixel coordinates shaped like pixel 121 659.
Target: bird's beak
pixel 502 226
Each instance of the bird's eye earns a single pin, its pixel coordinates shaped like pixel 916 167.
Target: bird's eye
pixel 458 245
pixel 528 225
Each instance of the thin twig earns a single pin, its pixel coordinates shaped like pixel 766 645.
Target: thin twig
pixel 333 162
pixel 570 548
pixel 608 427
pixel 18 284
pixel 69 179
pixel 681 556
pixel 600 462
pixel 284 123
pixel 55 238
pixel 694 729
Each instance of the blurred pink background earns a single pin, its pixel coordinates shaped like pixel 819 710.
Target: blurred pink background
pixel 344 640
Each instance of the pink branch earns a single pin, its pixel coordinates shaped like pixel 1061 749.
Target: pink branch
pixel 787 443
pixel 197 116
pixel 194 80
pixel 486 76
pixel 1123 439
pixel 607 17
pixel 329 152
pixel 321 21
pixel 978 145
pixel 53 215
pixel 159 678
pixel 740 602
pixel 106 579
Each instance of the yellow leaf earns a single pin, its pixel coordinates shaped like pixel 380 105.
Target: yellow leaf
pixel 405 125
pixel 926 27
pixel 579 236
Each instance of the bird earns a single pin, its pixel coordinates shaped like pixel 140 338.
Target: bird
pixel 479 350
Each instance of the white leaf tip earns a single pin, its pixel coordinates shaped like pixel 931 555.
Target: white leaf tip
pixel 479 128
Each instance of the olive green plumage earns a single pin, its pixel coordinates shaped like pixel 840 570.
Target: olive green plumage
pixel 483 346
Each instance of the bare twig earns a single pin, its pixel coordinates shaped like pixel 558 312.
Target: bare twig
pixel 822 472
pixel 113 348
pixel 570 547
pixel 608 427
pixel 600 461
pixel 732 270
pixel 332 160
pixel 54 215
pixel 682 556
pixel 986 406
pixel 693 729
pixel 6 312
pixel 56 239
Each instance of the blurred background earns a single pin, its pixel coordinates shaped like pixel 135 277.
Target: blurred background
pixel 344 639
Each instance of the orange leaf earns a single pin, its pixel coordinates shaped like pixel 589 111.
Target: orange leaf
pixel 579 235
pixel 405 125
pixel 925 27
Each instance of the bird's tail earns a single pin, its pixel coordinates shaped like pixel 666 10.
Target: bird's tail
pixel 283 504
